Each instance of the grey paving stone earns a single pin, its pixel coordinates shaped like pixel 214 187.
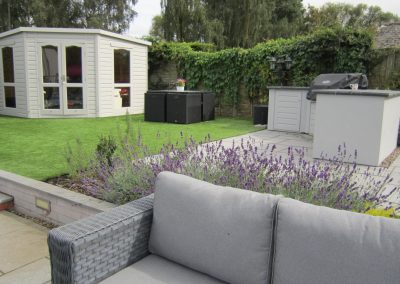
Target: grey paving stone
pixel 37 272
pixel 22 242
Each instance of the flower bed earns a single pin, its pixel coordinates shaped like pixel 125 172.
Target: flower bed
pixel 128 174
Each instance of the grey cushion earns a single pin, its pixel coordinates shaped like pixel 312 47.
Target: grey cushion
pixel 323 245
pixel 156 270
pixel 222 232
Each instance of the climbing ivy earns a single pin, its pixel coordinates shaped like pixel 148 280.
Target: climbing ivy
pixel 228 72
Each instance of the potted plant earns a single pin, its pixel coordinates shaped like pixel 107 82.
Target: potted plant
pixel 180 84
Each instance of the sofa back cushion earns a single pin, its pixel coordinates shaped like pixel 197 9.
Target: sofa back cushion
pixel 322 245
pixel 223 232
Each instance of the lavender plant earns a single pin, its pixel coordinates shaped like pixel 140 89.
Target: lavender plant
pixel 247 165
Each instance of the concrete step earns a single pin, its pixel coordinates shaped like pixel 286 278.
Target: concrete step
pixel 6 201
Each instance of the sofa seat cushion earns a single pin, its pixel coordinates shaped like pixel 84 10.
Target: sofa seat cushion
pixel 322 245
pixel 223 232
pixel 156 270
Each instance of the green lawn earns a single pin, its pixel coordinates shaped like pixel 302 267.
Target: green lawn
pixel 36 147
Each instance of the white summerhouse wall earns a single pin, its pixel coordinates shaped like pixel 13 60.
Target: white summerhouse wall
pixel 17 43
pixel 33 40
pixel 138 75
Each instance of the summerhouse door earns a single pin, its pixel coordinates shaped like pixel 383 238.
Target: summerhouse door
pixel 62 78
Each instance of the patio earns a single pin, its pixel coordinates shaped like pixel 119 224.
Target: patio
pixel 283 140
pixel 24 253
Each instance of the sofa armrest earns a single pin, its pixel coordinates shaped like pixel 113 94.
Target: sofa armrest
pixel 91 249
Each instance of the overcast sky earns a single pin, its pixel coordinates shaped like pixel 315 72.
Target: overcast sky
pixel 147 9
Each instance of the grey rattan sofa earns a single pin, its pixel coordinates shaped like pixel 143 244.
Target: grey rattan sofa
pixel 200 233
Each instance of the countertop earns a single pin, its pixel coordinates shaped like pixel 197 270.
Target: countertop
pixel 368 92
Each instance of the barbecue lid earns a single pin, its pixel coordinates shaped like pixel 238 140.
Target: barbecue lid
pixel 339 81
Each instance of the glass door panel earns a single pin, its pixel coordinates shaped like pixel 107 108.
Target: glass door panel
pixel 51 78
pixel 73 58
pixel 51 97
pixel 50 64
pixel 73 85
pixel 74 98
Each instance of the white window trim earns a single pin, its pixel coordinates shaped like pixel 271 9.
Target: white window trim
pixel 7 84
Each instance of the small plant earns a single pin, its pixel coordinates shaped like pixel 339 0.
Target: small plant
pixel 106 148
pixel 77 158
pixel 180 82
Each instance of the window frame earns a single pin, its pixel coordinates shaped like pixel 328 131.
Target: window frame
pixel 8 84
pixel 123 85
pixel 62 84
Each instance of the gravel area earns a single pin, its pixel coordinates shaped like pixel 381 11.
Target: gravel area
pixel 38 221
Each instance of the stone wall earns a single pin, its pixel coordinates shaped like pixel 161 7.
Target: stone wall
pixel 388 36
pixel 164 76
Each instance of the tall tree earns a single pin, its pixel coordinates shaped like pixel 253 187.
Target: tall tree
pixel 287 18
pixel 229 23
pixel 14 14
pixel 112 15
pixel 157 30
pixel 346 15
pixel 183 20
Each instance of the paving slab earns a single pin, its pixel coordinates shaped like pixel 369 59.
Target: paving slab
pixel 37 272
pixel 23 248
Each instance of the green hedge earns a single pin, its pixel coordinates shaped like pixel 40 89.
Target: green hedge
pixel 225 71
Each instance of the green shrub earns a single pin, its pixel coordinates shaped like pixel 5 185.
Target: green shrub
pixel 106 148
pixel 226 71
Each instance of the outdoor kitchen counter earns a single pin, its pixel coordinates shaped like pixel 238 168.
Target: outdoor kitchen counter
pixel 366 121
pixel 369 93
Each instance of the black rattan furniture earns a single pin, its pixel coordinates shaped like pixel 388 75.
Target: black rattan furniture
pixel 260 114
pixel 207 106
pixel 179 107
pixel 155 106
pixel 183 108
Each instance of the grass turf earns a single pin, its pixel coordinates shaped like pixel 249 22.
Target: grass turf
pixel 36 147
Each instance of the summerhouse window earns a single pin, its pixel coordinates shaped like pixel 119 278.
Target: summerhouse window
pixel 8 77
pixel 122 78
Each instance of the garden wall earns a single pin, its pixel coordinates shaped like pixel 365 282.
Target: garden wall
pixel 65 206
pixel 385 69
pixel 240 77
